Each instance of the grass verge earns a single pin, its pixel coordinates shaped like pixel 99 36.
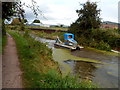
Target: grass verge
pixel 39 70
pixel 54 28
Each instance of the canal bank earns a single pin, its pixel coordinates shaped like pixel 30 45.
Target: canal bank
pixel 39 69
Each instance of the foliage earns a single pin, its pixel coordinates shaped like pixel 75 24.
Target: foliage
pixel 88 18
pixel 36 21
pixel 10 9
pixel 109 36
pixel 87 32
pixel 39 70
pixel 101 39
pixel 25 21
pixel 16 21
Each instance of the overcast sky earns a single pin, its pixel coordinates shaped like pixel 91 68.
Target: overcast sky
pixel 64 11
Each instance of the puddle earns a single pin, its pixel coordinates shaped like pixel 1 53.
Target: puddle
pixel 83 69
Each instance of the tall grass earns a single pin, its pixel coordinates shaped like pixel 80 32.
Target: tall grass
pixel 39 70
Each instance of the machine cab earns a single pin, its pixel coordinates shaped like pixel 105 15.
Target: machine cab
pixel 69 39
pixel 68 36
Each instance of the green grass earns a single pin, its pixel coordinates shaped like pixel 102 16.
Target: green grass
pixel 103 51
pixel 39 70
pixel 55 28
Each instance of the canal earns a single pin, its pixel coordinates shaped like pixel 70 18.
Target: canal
pixel 88 64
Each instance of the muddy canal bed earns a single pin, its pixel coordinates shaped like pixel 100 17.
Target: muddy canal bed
pixel 86 64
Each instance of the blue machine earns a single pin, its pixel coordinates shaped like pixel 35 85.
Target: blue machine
pixel 69 37
pixel 69 42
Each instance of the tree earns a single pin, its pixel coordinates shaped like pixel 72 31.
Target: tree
pixel 88 18
pixel 25 21
pixel 16 21
pixel 36 21
pixel 61 25
pixel 10 9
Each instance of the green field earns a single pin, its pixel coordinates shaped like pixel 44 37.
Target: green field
pixel 54 28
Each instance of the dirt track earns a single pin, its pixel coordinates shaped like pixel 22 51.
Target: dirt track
pixel 11 73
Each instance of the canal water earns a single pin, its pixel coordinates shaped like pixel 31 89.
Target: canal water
pixel 88 64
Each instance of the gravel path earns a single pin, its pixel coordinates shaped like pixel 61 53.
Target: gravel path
pixel 11 73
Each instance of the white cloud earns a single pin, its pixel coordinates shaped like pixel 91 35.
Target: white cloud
pixel 64 11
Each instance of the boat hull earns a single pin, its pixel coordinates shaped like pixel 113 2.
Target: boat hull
pixel 66 46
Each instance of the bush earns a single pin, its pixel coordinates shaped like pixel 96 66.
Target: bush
pixel 101 39
pixel 103 46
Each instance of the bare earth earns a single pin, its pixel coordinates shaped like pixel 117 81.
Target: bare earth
pixel 11 73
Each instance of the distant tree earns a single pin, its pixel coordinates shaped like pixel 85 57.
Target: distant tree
pixel 88 18
pixel 25 21
pixel 16 21
pixel 36 21
pixel 61 25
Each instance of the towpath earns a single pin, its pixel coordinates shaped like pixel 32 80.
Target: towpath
pixel 11 73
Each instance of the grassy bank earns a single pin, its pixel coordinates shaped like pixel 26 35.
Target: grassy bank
pixel 39 70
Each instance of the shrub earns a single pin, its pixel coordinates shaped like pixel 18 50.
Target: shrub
pixel 103 46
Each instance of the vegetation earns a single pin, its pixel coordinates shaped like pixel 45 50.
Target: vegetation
pixel 54 28
pixel 39 70
pixel 87 31
pixel 10 9
pixel 101 39
pixel 16 21
pixel 53 36
pixel 36 21
pixel 105 39
pixel 88 18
